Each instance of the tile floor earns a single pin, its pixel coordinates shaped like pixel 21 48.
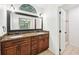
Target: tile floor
pixel 71 50
pixel 46 52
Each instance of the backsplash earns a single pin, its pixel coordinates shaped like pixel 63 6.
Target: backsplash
pixel 2 32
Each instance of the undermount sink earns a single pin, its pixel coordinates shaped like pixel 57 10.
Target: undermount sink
pixel 16 36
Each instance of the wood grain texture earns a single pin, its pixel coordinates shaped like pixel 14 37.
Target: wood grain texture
pixel 26 45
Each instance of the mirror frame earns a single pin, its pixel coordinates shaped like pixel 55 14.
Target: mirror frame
pixel 8 22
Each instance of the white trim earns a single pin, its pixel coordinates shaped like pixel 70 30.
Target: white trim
pixel 52 51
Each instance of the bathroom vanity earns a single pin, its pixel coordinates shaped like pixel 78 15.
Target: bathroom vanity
pixel 25 44
pixel 25 35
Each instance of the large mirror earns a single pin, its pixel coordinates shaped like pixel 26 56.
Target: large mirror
pixel 23 22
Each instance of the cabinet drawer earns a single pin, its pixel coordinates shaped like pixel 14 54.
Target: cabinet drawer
pixel 46 35
pixel 25 40
pixel 8 43
pixel 43 36
pixel 34 42
pixel 34 38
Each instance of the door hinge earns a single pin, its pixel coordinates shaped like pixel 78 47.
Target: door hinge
pixel 65 32
pixel 59 31
pixel 59 12
pixel 59 49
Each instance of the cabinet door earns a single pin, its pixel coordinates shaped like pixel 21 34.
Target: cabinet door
pixel 25 46
pixel 9 50
pixel 34 45
pixel 25 49
pixel 43 43
pixel 46 41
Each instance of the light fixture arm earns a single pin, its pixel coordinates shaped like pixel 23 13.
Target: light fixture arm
pixel 12 7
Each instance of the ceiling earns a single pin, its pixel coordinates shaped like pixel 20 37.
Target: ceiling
pixel 39 7
pixel 69 6
pixel 43 7
pixel 66 7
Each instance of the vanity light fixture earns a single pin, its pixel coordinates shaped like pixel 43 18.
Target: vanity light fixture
pixel 40 14
pixel 12 7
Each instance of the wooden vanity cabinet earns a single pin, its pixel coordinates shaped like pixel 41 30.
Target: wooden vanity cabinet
pixel 25 46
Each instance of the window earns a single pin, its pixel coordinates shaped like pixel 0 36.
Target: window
pixel 28 8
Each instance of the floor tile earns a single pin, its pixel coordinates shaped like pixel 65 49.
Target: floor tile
pixel 71 50
pixel 47 52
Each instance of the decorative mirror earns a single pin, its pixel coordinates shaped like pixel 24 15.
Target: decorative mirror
pixel 19 21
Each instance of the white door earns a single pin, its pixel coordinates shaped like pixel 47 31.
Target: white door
pixel 62 22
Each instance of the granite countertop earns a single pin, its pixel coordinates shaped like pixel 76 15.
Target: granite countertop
pixel 11 37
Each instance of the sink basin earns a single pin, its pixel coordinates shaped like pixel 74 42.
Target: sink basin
pixel 16 36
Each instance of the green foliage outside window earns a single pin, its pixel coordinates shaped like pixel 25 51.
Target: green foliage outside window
pixel 24 23
pixel 28 8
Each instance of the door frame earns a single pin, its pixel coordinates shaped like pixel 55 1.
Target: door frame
pixel 59 14
pixel 66 28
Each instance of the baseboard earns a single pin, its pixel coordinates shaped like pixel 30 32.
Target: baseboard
pixel 62 52
pixel 52 51
pixel 64 48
